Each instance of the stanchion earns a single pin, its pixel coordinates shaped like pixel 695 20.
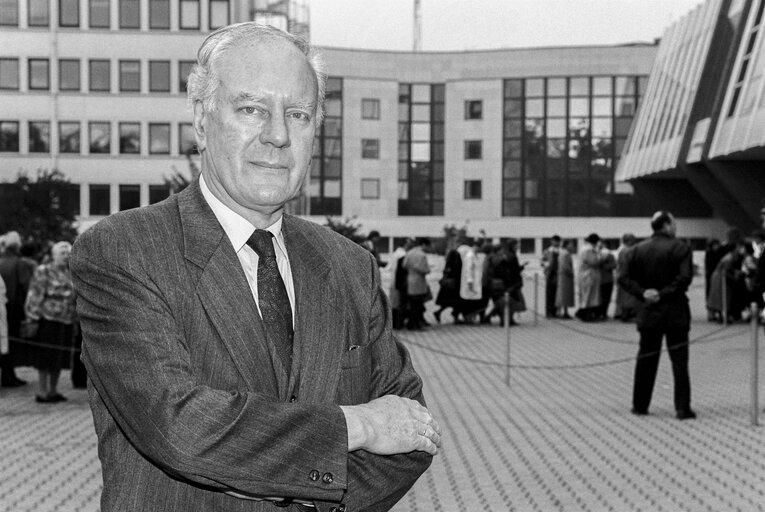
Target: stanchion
pixel 506 322
pixel 724 311
pixel 755 364
pixel 536 299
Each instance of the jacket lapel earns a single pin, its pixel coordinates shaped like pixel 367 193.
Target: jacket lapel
pixel 319 327
pixel 225 295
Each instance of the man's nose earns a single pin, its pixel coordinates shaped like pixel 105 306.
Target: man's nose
pixel 275 131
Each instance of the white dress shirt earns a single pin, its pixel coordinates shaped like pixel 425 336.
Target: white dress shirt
pixel 239 230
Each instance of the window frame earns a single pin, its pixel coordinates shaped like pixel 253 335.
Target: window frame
pixel 181 25
pixel 91 125
pixel 124 75
pixel 375 103
pixel 467 192
pixel 373 155
pixel 94 4
pixel 44 3
pixel 151 138
pixel 210 5
pixel 152 75
pixel 61 63
pixel 125 124
pixel 370 181
pixel 11 60
pixel 473 143
pixel 165 25
pixel 11 123
pixel 108 64
pixel 99 187
pixel 79 137
pixel 29 137
pixel 30 70
pixel 61 11
pixel 470 113
pixel 121 22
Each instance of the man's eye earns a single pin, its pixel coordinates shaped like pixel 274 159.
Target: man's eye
pixel 249 110
pixel 300 116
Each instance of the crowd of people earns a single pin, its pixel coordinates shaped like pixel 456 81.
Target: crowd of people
pixel 38 322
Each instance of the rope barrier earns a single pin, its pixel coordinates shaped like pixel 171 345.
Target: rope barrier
pixel 35 343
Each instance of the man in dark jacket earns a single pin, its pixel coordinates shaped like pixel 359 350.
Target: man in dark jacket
pixel 658 272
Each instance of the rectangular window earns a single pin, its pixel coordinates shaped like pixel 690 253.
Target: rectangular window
pixel 472 189
pixel 100 200
pixel 370 148
pixel 100 138
pixel 159 75
pixel 39 137
pixel 184 69
pixel 100 79
pixel 9 13
pixel 473 150
pixel 39 74
pixel 98 13
pixel 9 136
pixel 158 193
pixel 130 138
pixel 68 75
pixel 159 14
pixel 187 143
pixel 39 13
pixel 370 108
pixel 218 14
pixel 130 13
pixel 159 139
pixel 370 188
pixel 9 74
pixel 68 137
pixel 189 14
pixel 130 197
pixel 474 109
pixel 69 13
pixel 130 76
pixel 72 200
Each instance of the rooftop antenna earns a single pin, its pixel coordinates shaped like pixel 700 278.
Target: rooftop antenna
pixel 417 26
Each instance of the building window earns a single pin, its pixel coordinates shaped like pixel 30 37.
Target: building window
pixel 69 13
pixel 9 136
pixel 370 108
pixel 68 75
pixel 473 150
pixel 187 143
pixel 159 76
pixel 39 137
pixel 370 148
pixel 100 138
pixel 72 198
pixel 39 74
pixel 100 200
pixel 184 69
pixel 130 138
pixel 474 109
pixel 39 13
pixel 130 197
pixel 189 14
pixel 130 13
pixel 218 14
pixel 324 187
pixel 100 79
pixel 9 13
pixel 472 189
pixel 370 188
pixel 130 76
pixel 68 137
pixel 159 139
pixel 158 193
pixel 9 74
pixel 159 14
pixel 98 14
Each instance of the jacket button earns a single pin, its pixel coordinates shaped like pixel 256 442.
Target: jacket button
pixel 314 475
pixel 327 478
pixel 293 399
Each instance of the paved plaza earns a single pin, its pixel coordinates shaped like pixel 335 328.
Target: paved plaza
pixel 560 437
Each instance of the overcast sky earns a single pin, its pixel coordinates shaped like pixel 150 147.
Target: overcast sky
pixel 486 24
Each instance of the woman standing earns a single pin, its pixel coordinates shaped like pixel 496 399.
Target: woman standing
pixel 50 305
pixel 589 279
pixel 564 295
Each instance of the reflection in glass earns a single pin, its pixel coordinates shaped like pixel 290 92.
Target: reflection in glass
pixel 420 151
pixel 535 108
pixel 601 126
pixel 100 138
pixel 421 131
pixel 39 137
pixel 579 107
pixel 68 137
pixel 535 87
pixel 556 127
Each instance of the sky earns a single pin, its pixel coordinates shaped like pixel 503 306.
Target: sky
pixel 454 25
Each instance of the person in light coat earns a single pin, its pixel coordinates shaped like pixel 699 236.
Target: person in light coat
pixel 470 280
pixel 589 278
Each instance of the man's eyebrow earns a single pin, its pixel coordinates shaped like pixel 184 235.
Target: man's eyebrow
pixel 246 96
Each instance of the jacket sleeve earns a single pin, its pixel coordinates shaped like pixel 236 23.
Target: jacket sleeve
pixel 681 253
pixel 625 279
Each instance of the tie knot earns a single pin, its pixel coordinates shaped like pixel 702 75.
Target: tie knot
pixel 260 242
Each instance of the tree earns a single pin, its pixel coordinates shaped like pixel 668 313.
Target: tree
pixel 349 227
pixel 177 181
pixel 43 208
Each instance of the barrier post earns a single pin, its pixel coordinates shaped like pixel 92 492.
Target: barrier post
pixel 724 311
pixel 506 322
pixel 755 364
pixel 536 299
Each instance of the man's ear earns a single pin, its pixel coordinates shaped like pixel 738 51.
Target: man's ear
pixel 200 117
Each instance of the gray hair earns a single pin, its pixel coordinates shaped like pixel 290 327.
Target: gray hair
pixel 203 79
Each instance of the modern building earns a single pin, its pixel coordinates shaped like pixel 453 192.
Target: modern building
pixel 515 142
pixel 701 130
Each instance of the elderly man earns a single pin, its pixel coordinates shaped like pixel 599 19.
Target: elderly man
pixel 240 357
pixel 658 271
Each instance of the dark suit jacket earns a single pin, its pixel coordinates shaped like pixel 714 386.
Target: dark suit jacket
pixel 665 264
pixel 189 399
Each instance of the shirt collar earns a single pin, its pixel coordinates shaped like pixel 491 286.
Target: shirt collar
pixel 237 228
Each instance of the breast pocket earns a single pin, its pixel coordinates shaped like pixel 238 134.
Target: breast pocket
pixel 355 376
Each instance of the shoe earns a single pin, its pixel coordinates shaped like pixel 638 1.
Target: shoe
pixel 687 414
pixel 43 399
pixel 565 317
pixel 57 397
pixel 639 412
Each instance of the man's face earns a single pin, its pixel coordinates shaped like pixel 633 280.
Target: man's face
pixel 257 143
pixel 671 226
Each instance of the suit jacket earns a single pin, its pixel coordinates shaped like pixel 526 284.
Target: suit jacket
pixel 188 397
pixel 663 263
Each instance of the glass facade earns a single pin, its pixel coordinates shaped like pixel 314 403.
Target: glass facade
pixel 562 137
pixel 325 186
pixel 421 149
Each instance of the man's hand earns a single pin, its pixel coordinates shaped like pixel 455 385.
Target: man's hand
pixel 651 295
pixel 391 424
